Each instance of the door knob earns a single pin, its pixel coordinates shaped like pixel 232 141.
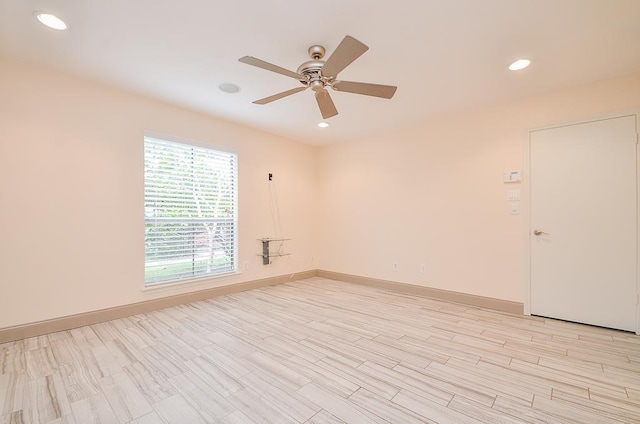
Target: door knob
pixel 539 233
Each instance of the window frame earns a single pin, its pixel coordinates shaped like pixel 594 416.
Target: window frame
pixel 194 279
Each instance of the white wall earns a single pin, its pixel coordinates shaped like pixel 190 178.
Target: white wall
pixel 71 193
pixel 434 194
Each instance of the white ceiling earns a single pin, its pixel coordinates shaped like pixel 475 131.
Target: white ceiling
pixel 444 55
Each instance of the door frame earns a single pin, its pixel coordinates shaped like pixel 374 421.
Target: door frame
pixel 526 202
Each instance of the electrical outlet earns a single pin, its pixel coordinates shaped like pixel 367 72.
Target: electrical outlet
pixel 423 269
pixel 245 265
pixel 396 267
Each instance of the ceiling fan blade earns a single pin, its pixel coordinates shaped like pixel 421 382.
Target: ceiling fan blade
pixel 347 51
pixel 376 90
pixel 327 108
pixel 279 96
pixel 250 60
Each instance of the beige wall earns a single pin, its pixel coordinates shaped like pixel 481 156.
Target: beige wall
pixel 71 184
pixel 434 194
pixel 71 190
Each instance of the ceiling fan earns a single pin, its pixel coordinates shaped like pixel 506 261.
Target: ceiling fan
pixel 319 75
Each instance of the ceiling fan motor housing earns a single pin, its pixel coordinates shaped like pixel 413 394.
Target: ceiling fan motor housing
pixel 312 71
pixel 311 67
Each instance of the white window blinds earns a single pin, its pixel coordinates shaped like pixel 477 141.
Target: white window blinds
pixel 190 204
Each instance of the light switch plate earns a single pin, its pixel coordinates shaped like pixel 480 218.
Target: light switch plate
pixel 513 194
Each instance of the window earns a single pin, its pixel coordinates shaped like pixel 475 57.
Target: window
pixel 190 206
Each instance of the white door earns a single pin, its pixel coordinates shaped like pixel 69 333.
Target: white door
pixel 583 240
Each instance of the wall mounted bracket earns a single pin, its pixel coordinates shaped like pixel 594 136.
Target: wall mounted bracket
pixel 266 253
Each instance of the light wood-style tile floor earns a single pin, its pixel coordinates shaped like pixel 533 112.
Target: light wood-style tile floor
pixel 322 351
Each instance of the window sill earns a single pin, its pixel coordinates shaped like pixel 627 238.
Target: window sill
pixel 155 287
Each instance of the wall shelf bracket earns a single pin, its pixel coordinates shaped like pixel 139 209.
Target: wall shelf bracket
pixel 266 252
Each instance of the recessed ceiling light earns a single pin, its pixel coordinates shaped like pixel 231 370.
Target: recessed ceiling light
pixel 52 21
pixel 519 64
pixel 229 88
pixel 323 124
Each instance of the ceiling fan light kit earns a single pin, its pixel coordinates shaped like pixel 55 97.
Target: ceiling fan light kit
pixel 319 75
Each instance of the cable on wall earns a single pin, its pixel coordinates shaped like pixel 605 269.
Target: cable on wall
pixel 274 208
